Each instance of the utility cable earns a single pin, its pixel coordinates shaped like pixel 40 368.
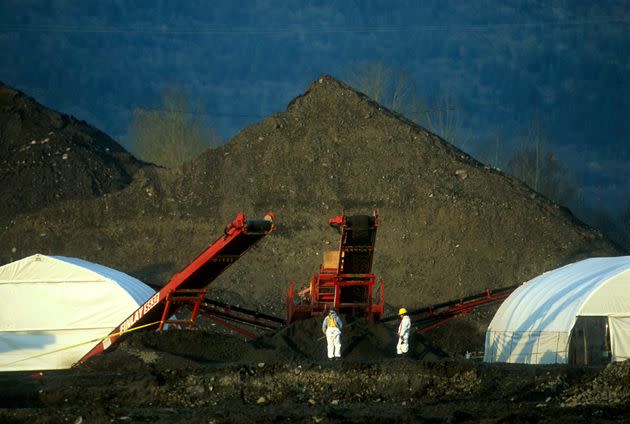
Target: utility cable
pixel 300 30
pixel 80 344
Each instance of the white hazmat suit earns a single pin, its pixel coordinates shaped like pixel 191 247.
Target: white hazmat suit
pixel 331 327
pixel 403 335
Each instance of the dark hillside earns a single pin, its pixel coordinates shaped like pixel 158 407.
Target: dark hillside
pixel 449 226
pixel 46 157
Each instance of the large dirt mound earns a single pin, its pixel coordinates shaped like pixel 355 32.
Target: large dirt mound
pixel 449 226
pixel 46 157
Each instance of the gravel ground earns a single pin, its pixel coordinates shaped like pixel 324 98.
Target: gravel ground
pixel 198 376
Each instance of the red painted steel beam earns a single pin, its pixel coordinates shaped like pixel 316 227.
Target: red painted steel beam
pixel 255 314
pixel 252 319
pixel 236 328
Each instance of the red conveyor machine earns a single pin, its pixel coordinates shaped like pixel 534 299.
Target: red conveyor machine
pixel 345 279
pixel 188 286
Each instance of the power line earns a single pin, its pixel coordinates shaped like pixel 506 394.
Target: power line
pixel 244 115
pixel 296 30
pixel 210 113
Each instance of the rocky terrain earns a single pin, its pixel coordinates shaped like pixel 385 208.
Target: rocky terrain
pixel 199 376
pixel 47 157
pixel 449 227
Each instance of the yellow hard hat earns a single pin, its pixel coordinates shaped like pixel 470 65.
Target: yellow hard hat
pixel 402 311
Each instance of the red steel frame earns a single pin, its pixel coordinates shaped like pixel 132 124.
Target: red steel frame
pixel 185 297
pixel 327 285
pixel 237 238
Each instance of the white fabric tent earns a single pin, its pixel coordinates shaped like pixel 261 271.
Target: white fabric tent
pixel 50 303
pixel 533 325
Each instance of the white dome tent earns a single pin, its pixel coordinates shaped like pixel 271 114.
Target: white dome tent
pixel 577 314
pixel 51 305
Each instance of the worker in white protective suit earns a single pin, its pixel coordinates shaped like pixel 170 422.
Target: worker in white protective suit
pixel 403 332
pixel 331 327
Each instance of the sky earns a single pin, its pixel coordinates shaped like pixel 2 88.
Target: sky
pixel 567 61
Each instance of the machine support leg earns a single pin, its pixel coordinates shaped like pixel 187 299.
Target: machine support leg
pixel 167 308
pixel 195 310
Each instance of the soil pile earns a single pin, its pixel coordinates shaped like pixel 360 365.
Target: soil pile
pixel 449 226
pixel 362 341
pixel 47 157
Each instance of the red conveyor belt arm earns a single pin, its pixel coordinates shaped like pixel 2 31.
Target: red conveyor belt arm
pixel 429 317
pixel 238 237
